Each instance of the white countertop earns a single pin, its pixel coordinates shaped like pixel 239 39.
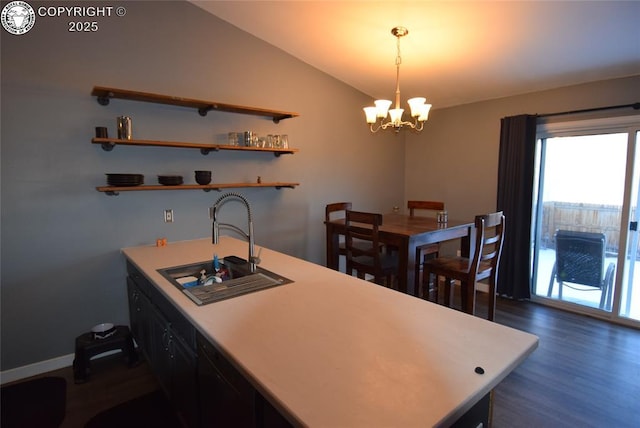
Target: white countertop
pixel 335 351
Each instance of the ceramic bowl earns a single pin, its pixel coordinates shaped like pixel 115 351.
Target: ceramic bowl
pixel 203 177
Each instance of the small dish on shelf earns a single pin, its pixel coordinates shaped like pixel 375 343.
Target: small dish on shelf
pixel 170 180
pixel 125 180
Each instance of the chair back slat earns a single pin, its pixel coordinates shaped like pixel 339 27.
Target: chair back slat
pixel 489 241
pixel 424 205
pixel 332 212
pixel 335 207
pixel 362 240
pixel 363 244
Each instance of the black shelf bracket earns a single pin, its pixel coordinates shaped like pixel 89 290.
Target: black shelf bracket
pixel 103 100
pixel 107 147
pixel 206 151
pixel 204 110
pixel 111 193
pixel 278 154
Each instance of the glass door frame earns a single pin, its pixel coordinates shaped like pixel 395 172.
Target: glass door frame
pixel 629 124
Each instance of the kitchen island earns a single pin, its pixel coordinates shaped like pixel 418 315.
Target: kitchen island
pixel 331 350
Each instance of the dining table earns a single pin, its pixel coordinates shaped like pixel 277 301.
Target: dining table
pixel 407 234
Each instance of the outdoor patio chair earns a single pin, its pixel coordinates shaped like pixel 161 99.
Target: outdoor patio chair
pixel 580 260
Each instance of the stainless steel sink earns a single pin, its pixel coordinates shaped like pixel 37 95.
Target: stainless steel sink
pixel 236 281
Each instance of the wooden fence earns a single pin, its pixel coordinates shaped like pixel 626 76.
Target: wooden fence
pixel 583 218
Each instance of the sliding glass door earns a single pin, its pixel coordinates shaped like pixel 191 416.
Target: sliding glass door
pixel 585 239
pixel 629 302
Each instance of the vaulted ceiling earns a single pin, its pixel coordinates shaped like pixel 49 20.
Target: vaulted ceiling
pixel 456 52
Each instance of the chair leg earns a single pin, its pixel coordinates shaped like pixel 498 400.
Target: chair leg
pixel 419 291
pixel 559 290
pixel 448 292
pixel 390 281
pixel 429 281
pixel 426 292
pixel 468 296
pixel 430 286
pixel 492 300
pixel 552 280
pixel 432 292
pixel 607 287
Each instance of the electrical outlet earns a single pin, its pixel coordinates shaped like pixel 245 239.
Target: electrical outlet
pixel 168 216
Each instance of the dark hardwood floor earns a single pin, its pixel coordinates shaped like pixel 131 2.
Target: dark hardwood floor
pixel 112 382
pixel 585 373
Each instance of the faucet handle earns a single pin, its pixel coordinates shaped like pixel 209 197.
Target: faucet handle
pixel 256 259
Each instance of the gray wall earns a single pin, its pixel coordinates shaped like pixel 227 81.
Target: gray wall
pixel 62 271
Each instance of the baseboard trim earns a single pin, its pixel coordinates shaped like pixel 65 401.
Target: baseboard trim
pixel 34 369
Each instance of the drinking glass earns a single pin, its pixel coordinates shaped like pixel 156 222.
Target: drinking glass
pixel 233 138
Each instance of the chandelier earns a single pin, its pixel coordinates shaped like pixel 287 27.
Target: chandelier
pixel 419 109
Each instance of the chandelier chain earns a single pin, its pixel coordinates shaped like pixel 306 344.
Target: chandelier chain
pixel 398 62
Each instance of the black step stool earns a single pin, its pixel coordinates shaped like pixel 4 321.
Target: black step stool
pixel 87 346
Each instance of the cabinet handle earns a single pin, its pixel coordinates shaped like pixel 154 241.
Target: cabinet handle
pixel 165 339
pixel 170 349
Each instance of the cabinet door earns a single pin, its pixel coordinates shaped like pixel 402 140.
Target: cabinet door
pixel 168 354
pixel 135 309
pixel 184 381
pixel 227 399
pixel 223 401
pixel 139 317
pixel 159 355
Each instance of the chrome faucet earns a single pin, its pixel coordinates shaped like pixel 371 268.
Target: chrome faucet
pixel 215 231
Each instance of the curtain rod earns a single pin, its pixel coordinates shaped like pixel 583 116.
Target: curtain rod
pixel 635 106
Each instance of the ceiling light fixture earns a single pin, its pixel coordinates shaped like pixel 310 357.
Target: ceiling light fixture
pixel 419 108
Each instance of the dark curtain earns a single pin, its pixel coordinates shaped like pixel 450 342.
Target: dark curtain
pixel 515 192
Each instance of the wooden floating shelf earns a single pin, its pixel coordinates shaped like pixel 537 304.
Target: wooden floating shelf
pixel 105 94
pixel 115 190
pixel 109 143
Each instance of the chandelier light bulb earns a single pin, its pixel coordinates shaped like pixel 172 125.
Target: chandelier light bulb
pixel 382 107
pixel 416 105
pixel 395 114
pixel 371 113
pixel 424 112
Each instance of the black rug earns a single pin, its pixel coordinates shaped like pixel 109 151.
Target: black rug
pixel 151 410
pixel 37 403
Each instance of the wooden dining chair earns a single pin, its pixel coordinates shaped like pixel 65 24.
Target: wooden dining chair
pixel 424 205
pixel 484 264
pixel 426 251
pixel 333 211
pixel 364 254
